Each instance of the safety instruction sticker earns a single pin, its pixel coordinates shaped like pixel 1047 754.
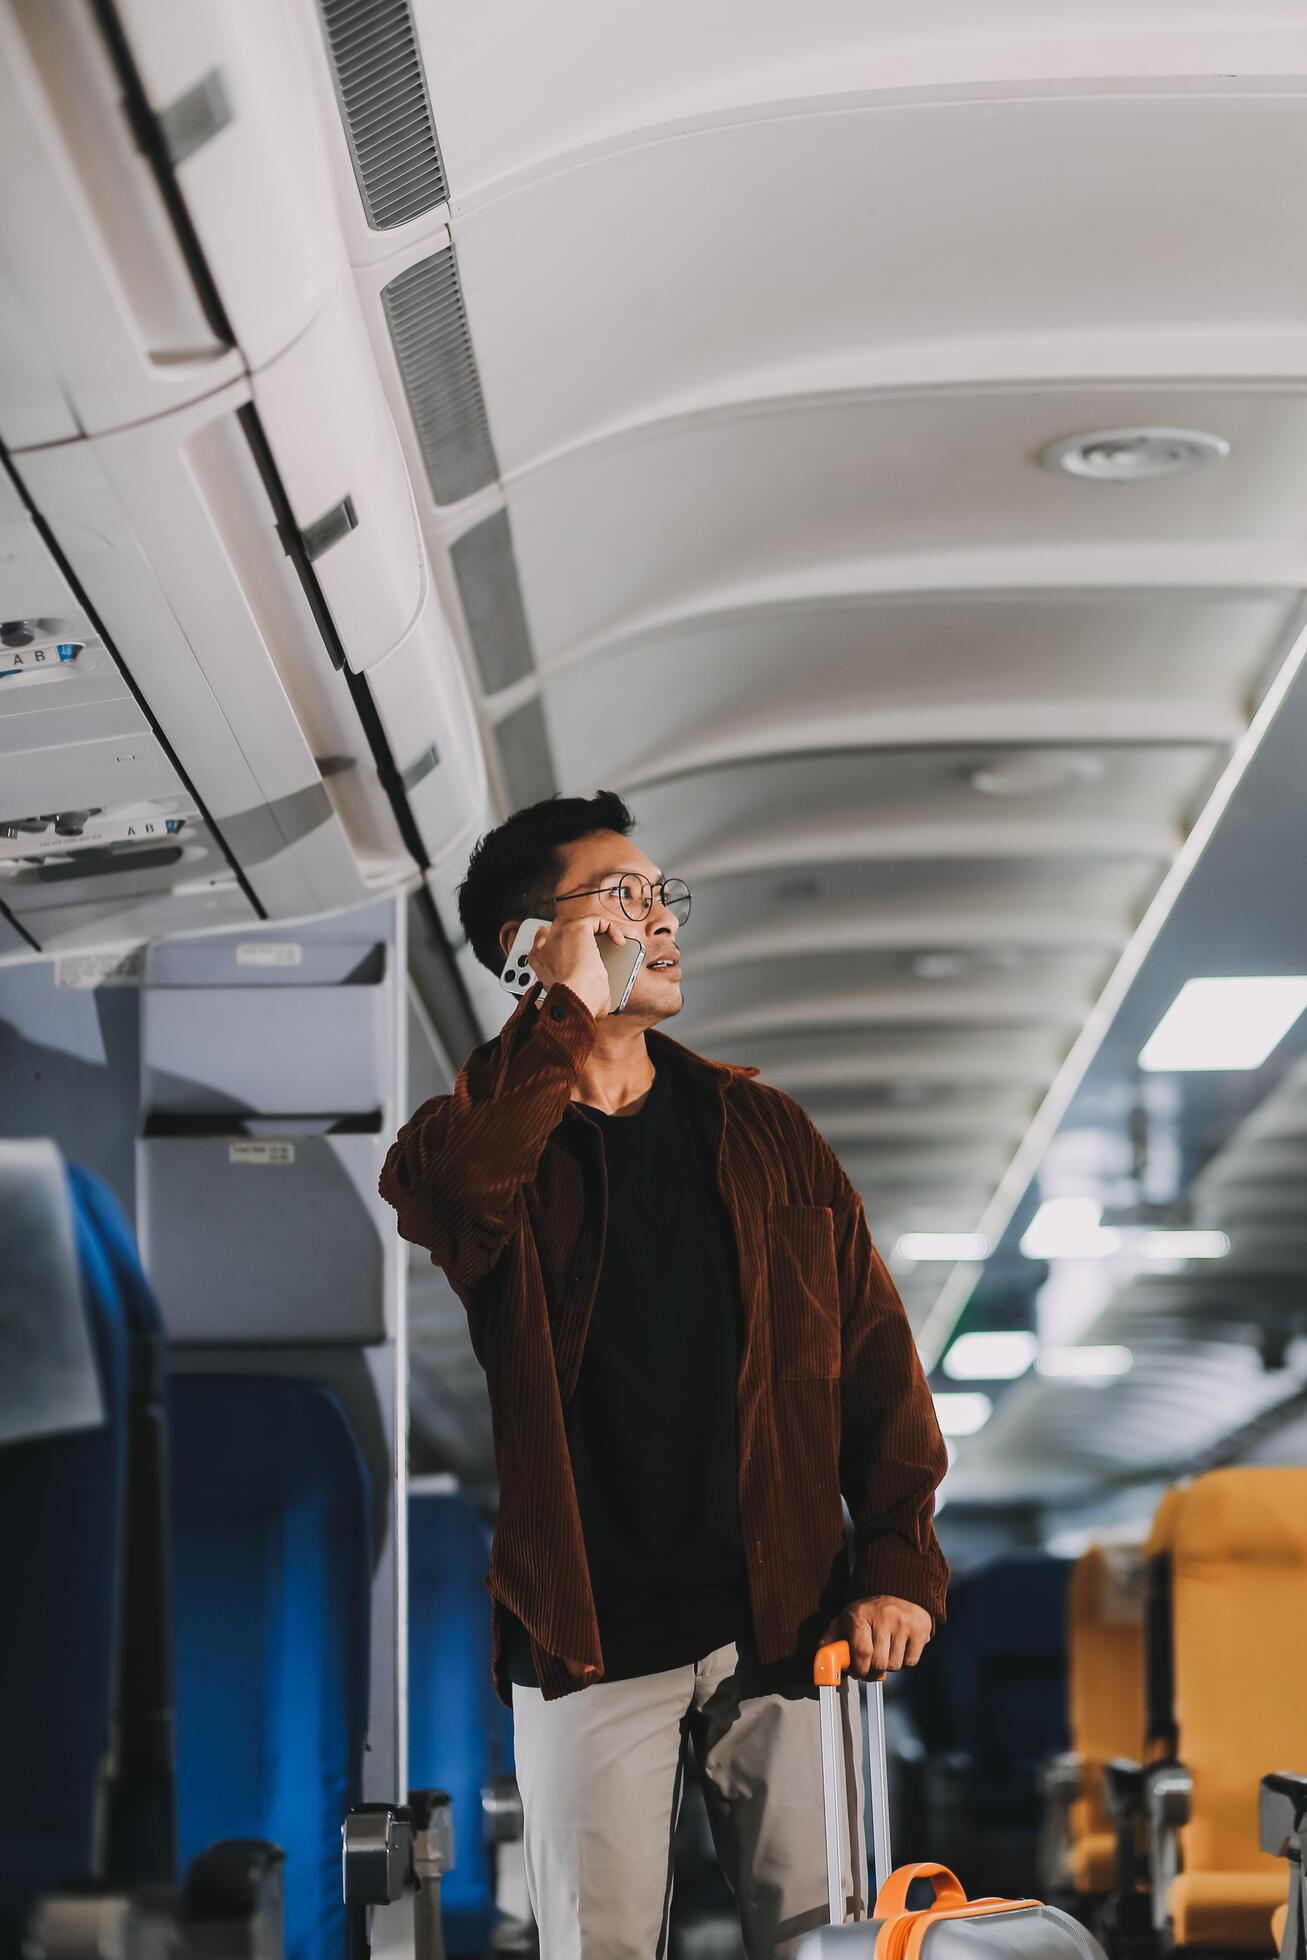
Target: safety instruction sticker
pixel 268 952
pixel 123 968
pixel 247 1151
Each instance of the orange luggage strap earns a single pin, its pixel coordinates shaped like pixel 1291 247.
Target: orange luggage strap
pixel 902 1933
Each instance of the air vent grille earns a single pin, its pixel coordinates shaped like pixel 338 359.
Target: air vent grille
pixel 524 751
pixel 486 571
pixel 383 100
pixel 429 332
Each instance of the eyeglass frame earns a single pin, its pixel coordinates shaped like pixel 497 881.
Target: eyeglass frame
pixel 657 891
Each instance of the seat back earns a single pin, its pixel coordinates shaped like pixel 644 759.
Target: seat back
pixel 62 1500
pixel 1239 1578
pixel 458 1729
pixel 1159 1741
pixel 272 1571
pixel 1105 1631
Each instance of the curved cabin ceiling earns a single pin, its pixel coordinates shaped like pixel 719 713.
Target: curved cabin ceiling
pixel 774 315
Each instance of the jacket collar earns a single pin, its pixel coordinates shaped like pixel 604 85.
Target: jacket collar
pixel 485 1065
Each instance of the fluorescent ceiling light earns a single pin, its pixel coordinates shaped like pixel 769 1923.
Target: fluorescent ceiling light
pixel 1134 455
pixel 992 1357
pixel 963 1414
pixel 1069 1228
pixel 1085 1364
pixel 941 1245
pixel 1225 1024
pixel 1184 1245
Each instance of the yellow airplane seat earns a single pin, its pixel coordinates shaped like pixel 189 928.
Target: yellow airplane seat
pixel 1106 1684
pixel 1238 1588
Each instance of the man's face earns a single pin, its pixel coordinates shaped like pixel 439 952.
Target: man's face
pixel 603 859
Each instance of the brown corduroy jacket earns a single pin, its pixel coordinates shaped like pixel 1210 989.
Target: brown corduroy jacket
pixel 503 1183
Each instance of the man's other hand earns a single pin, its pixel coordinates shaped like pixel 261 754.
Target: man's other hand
pixel 884 1634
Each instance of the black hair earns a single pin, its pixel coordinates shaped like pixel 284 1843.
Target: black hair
pixel 514 868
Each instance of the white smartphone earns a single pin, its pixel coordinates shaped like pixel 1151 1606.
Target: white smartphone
pixel 622 963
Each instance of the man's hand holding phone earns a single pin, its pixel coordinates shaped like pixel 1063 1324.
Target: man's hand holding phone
pixel 567 953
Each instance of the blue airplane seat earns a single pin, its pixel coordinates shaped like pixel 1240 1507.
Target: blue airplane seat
pixel 458 1730
pixel 271 1590
pixel 62 1500
pixel 996 1687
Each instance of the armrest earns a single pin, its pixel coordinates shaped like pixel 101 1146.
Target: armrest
pixel 233 1901
pixel 1063 1777
pixel 376 1854
pixel 501 1810
pixel 1168 1797
pixel 1123 1789
pixel 1282 1813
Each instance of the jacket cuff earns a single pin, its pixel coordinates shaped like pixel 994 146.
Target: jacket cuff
pixel 567 1022
pixel 890 1565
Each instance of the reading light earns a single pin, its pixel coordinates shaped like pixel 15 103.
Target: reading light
pixel 941 1245
pixel 1085 1364
pixel 1184 1245
pixel 962 1414
pixel 991 1357
pixel 1069 1228
pixel 1225 1024
pixel 1134 455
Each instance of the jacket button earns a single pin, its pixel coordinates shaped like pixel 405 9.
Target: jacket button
pixel 558 1012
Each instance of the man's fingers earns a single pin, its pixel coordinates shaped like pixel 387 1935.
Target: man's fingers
pixel 915 1649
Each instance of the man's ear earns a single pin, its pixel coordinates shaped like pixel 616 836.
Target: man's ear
pixel 507 934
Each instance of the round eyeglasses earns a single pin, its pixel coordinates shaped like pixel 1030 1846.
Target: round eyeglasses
pixel 633 895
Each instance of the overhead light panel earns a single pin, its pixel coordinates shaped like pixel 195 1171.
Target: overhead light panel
pixel 1069 1228
pixel 962 1414
pixel 1225 1024
pixel 999 1356
pixel 941 1245
pixel 1085 1364
pixel 1134 455
pixel 1184 1245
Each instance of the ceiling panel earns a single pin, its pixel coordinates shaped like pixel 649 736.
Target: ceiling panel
pixel 928 670
pixel 514 85
pixel 672 518
pixel 757 218
pixel 792 811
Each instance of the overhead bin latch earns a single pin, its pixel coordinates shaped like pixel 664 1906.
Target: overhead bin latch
pixel 329 529
pixel 195 118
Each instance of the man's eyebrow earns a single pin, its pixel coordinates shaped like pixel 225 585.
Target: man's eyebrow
pixel 625 871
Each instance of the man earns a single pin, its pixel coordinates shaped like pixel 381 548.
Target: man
pixel 693 1351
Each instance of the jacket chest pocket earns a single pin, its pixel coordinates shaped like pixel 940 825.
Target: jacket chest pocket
pixel 803 1292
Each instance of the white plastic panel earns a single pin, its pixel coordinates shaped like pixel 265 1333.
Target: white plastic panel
pixel 103 774
pixel 158 523
pixel 269 1050
pixel 513 85
pixel 1073 666
pixel 263 1233
pixel 325 415
pixel 905 242
pixel 56 702
pixel 423 703
pixel 795 810
pixel 90 252
pixel 139 897
pixel 257 192
pixel 791 496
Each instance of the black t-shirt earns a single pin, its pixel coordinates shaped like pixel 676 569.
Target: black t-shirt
pixel 652 1428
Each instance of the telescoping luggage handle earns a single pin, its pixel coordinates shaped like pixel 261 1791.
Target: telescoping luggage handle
pixel 832 1662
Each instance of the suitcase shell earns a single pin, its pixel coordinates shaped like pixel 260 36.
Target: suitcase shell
pixel 953 1927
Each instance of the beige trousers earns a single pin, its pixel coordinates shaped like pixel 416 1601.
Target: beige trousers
pixel 600 1775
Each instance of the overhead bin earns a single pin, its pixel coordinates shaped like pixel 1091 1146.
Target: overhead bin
pixel 167 206
pixel 425 708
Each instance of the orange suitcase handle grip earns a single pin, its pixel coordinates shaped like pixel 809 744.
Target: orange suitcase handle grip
pixel 893 1895
pixel 833 1660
